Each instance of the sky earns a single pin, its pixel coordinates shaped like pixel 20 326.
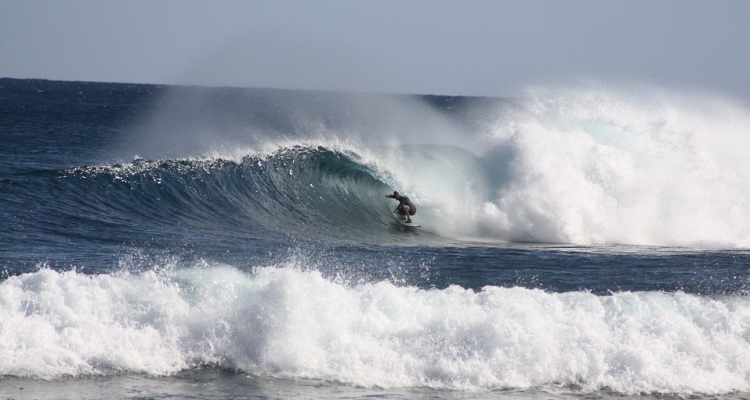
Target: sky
pixel 487 48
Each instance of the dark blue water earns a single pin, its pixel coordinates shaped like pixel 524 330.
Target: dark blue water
pixel 238 241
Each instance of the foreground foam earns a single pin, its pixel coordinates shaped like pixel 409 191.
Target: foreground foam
pixel 288 323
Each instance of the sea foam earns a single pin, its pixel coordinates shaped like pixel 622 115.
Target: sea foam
pixel 282 321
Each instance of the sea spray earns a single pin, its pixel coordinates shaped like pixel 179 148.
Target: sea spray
pixel 590 167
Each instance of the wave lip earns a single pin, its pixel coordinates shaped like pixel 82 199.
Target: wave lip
pixel 289 323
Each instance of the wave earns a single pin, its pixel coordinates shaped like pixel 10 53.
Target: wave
pixel 585 166
pixel 287 322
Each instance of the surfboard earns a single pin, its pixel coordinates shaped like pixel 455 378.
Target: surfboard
pixel 404 223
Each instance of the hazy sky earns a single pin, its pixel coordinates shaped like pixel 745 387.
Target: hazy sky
pixel 439 47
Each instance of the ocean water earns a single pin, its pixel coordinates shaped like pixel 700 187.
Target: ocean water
pixel 192 242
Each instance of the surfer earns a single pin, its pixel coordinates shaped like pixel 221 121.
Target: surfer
pixel 405 207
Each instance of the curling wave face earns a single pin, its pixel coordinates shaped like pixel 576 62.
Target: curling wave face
pixel 295 191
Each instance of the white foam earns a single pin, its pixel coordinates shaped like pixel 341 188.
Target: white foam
pixel 593 166
pixel 285 322
pixel 601 167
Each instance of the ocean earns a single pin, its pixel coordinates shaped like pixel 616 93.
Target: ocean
pixel 232 243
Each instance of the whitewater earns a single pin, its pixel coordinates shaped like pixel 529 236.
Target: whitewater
pixel 592 168
pixel 296 324
pixel 234 243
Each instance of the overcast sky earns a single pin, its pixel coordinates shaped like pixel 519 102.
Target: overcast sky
pixel 430 47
